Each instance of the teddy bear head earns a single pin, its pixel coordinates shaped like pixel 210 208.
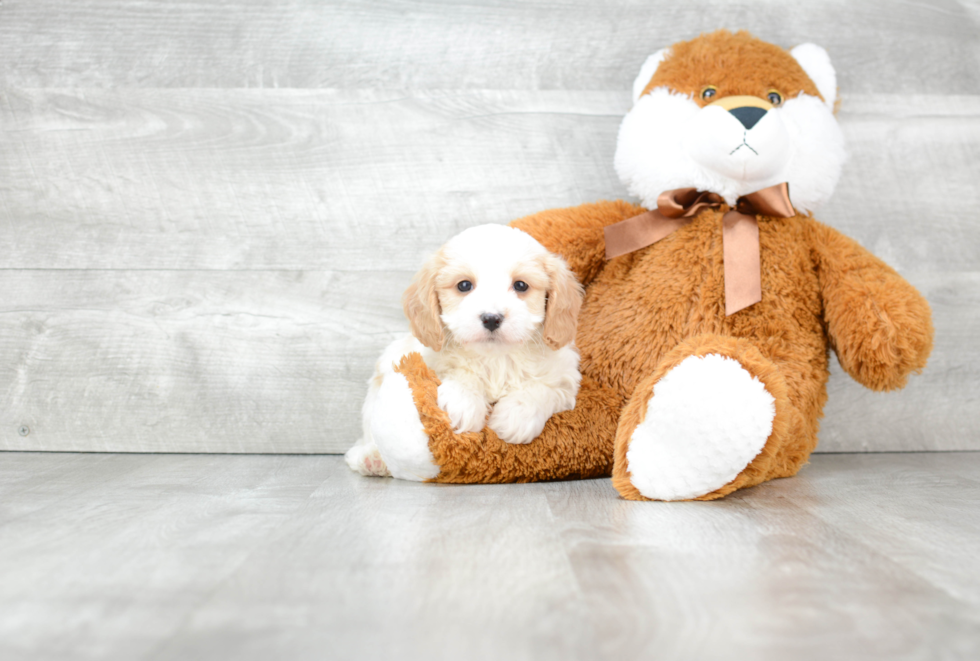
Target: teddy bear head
pixel 731 114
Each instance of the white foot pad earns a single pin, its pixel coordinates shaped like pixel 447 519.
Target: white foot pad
pixel 707 420
pixel 398 432
pixel 366 460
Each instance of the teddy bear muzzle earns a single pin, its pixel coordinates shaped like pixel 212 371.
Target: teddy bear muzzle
pixel 739 137
pixel 748 110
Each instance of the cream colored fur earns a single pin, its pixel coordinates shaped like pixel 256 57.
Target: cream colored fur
pixel 707 419
pixel 520 374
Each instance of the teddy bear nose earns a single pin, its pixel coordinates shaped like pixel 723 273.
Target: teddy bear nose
pixel 491 321
pixel 748 115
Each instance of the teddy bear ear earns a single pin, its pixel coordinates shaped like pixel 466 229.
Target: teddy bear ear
pixel 646 72
pixel 816 63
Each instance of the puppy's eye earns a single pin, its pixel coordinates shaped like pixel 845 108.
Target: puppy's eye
pixel 520 285
pixel 775 98
pixel 464 285
pixel 709 92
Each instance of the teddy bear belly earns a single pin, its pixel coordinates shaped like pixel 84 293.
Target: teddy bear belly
pixel 636 311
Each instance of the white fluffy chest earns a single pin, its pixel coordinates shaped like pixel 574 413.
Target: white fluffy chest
pixel 503 372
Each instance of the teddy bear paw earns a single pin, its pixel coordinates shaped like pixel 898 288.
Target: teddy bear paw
pixel 399 434
pixel 708 418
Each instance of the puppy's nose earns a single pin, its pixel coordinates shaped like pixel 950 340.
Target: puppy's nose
pixel 748 115
pixel 491 321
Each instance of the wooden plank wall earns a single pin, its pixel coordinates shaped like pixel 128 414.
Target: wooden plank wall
pixel 209 209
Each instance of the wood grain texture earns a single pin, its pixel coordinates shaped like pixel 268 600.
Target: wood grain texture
pixel 904 47
pixel 215 179
pixel 208 209
pixel 255 557
pixel 794 568
pixel 361 180
pixel 191 361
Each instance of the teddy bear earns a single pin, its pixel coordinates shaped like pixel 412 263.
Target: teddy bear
pixel 710 306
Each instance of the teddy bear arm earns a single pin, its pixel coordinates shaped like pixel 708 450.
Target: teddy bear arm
pixel 577 233
pixel 878 324
pixel 574 444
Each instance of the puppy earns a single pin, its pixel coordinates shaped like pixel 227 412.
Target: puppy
pixel 493 314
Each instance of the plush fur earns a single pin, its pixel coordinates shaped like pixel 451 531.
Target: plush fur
pixel 521 367
pixel 650 316
pixel 707 419
pixel 672 138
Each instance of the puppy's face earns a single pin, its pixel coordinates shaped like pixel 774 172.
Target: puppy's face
pixel 493 286
pixel 492 292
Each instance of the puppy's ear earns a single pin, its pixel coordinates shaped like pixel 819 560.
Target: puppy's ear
pixel 563 303
pixel 421 304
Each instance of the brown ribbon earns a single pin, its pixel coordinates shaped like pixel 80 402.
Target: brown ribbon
pixel 740 233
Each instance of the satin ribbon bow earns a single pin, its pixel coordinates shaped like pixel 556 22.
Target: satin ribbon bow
pixel 740 233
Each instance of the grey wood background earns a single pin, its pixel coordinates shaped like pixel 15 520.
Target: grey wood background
pixel 209 209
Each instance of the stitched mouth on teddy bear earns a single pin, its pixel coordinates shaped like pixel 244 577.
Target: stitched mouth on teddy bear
pixel 719 141
pixel 744 144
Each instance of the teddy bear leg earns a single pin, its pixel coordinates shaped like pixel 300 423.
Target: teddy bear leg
pixel 416 438
pixel 711 419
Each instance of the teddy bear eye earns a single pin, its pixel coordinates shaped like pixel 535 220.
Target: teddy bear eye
pixel 709 92
pixel 464 285
pixel 520 285
pixel 775 98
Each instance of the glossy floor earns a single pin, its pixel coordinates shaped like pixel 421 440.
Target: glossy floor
pixel 127 556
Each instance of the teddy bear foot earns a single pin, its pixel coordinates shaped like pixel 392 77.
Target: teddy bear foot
pixel 707 420
pixel 397 430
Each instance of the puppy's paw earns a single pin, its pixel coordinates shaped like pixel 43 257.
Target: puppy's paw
pixel 516 421
pixel 467 409
pixel 366 460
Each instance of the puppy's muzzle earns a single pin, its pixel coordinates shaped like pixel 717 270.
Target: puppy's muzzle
pixel 491 321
